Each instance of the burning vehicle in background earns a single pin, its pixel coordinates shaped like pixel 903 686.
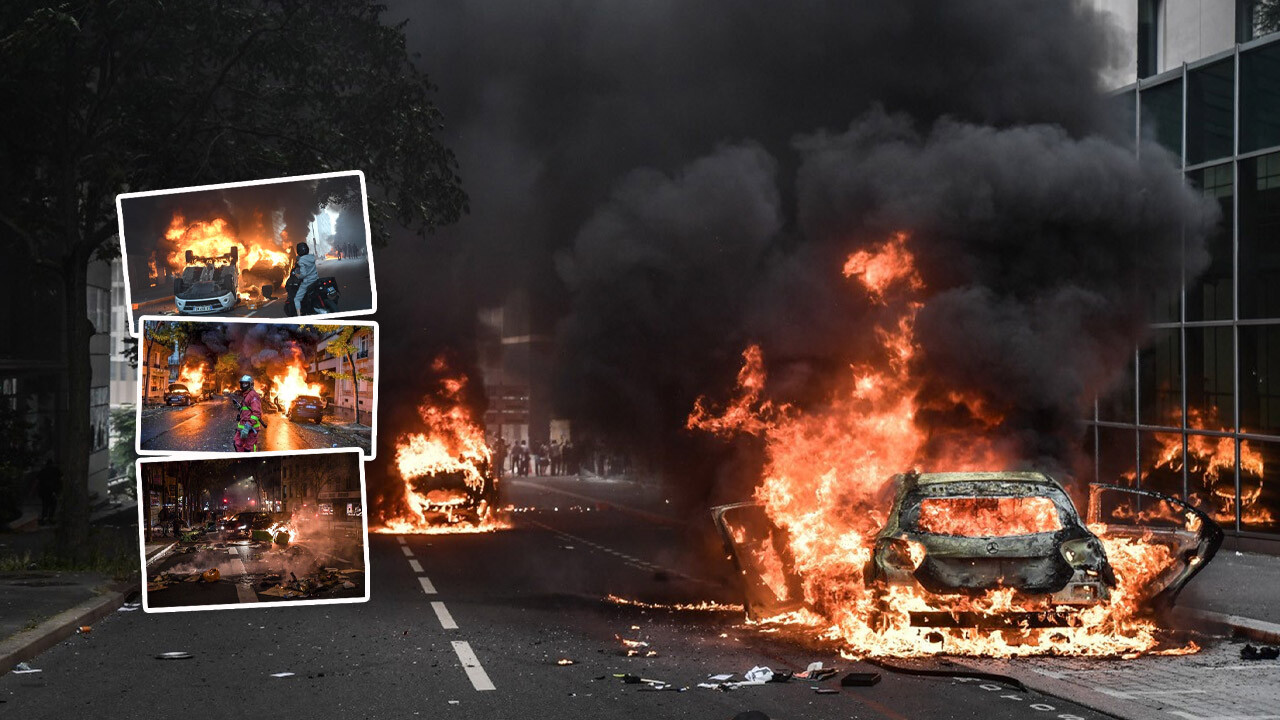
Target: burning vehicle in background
pixel 244 524
pixel 178 394
pixel 308 407
pixel 209 284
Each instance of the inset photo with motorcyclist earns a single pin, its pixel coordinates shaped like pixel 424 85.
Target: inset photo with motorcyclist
pixel 281 248
pixel 280 529
pixel 238 386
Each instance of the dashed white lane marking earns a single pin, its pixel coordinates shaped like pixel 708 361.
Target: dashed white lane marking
pixel 400 539
pixel 244 593
pixel 415 566
pixel 442 614
pixel 471 664
pixel 232 551
pixel 427 587
pixel 408 552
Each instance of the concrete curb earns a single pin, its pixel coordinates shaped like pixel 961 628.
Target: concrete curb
pixel 1235 625
pixel 30 643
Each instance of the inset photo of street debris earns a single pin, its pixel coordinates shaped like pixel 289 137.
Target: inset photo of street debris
pixel 210 386
pixel 269 248
pixel 286 528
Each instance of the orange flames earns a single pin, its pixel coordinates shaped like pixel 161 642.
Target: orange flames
pixel 192 376
pixel 827 485
pixel 451 444
pixel 292 383
pixel 988 516
pixel 215 238
pixel 1211 460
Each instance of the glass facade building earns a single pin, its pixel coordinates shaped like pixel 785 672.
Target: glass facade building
pixel 1198 413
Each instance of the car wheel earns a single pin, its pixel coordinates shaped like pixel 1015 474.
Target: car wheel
pixel 316 420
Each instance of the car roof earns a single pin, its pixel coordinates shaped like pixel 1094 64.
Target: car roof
pixel 1038 478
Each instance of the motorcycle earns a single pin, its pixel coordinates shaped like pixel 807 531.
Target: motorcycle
pixel 320 299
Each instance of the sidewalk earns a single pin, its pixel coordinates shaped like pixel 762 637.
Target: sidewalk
pixel 1237 592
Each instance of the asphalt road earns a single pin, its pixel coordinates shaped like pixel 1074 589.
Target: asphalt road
pixel 208 427
pixel 354 287
pixel 472 626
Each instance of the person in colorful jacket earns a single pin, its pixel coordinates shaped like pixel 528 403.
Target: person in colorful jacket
pixel 249 419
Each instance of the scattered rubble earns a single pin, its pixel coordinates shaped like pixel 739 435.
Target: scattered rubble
pixel 175 656
pixel 23 668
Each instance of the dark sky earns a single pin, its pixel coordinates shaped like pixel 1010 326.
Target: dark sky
pixel 672 180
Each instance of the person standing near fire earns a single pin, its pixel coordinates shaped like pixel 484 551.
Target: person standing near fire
pixel 307 272
pixel 249 418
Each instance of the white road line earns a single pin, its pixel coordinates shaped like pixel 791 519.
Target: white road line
pixel 471 664
pixel 400 539
pixel 244 593
pixel 442 613
pixel 429 589
pixel 408 552
pixel 232 551
pixel 415 566
pixel 1168 692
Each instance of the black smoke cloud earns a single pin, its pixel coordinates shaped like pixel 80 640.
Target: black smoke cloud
pixel 263 349
pixel 673 180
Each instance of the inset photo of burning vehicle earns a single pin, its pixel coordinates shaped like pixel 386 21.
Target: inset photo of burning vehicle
pixel 281 529
pixel 270 248
pixel 214 386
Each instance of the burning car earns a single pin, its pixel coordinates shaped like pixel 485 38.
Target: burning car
pixel 208 284
pixel 244 524
pixel 957 533
pixel 306 406
pixel 178 394
pixel 954 537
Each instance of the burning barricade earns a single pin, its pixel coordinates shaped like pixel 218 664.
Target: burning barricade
pixel 976 560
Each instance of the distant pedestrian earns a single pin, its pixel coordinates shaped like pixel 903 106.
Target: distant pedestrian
pixel 50 487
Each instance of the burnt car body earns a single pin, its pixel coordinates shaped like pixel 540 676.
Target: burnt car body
pixel 1059 568
pixel 178 394
pixel 208 284
pixel 446 498
pixel 306 407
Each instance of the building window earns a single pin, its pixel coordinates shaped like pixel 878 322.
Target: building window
pixel 1259 236
pixel 1211 378
pixel 1148 37
pixel 1255 18
pixel 1210 111
pixel 1160 380
pixel 1210 295
pixel 1161 108
pixel 1260 98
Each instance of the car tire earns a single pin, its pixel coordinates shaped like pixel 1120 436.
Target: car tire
pixel 316 421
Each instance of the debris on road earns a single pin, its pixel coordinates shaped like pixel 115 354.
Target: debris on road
pixel 282 675
pixel 84 629
pixel 825 691
pixel 565 661
pixel 860 679
pixel 175 656
pixel 816 671
pixel 23 668
pixel 210 575
pixel 1263 652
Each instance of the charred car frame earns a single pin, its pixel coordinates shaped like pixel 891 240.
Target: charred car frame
pixel 1054 561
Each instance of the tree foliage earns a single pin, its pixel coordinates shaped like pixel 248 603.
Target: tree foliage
pixel 99 98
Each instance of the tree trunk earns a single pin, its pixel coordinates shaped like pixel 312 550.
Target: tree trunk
pixel 355 386
pixel 73 525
